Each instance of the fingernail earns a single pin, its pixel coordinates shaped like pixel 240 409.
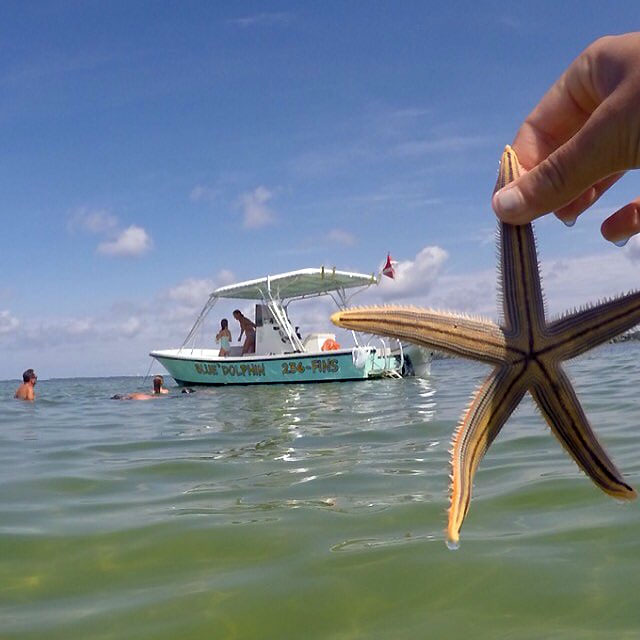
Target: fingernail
pixel 570 222
pixel 509 201
pixel 622 242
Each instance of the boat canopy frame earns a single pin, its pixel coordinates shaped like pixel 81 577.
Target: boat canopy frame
pixel 295 285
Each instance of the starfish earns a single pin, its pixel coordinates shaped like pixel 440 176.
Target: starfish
pixel 526 353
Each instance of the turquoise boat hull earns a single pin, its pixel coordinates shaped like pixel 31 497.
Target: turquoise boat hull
pixel 193 367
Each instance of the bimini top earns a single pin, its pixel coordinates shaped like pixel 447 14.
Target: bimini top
pixel 296 284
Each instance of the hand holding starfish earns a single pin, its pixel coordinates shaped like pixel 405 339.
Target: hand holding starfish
pixel 580 139
pixel 526 353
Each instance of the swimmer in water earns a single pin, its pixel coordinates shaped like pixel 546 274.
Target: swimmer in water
pixel 26 390
pixel 158 390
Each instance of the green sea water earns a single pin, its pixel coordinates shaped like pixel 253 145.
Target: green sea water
pixel 312 511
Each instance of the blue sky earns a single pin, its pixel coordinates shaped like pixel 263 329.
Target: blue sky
pixel 154 150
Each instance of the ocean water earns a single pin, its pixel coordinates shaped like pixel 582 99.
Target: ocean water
pixel 311 511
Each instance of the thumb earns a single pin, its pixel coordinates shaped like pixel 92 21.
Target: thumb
pixel 566 173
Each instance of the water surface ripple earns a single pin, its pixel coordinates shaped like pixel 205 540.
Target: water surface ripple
pixel 311 511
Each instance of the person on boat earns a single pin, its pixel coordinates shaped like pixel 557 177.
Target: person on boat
pixel 158 390
pixel 26 390
pixel 580 139
pixel 224 337
pixel 249 330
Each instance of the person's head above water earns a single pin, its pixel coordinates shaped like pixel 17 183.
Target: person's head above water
pixel 158 383
pixel 26 390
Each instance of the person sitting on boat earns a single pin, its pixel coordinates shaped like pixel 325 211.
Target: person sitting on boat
pixel 249 329
pixel 158 390
pixel 224 337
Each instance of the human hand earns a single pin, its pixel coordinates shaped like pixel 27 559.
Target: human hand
pixel 580 139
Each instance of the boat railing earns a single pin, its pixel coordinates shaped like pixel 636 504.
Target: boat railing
pixel 401 350
pixel 275 305
pixel 386 352
pixel 388 367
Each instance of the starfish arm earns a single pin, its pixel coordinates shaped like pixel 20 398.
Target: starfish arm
pixel 492 404
pixel 554 395
pixel 578 332
pixel 520 287
pixel 519 275
pixel 455 334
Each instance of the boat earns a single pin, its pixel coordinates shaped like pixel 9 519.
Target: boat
pixel 282 354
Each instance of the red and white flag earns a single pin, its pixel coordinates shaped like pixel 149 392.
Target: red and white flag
pixel 388 269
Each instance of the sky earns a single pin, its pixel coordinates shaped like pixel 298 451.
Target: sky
pixel 152 151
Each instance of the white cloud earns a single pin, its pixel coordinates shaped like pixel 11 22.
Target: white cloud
pixel 133 241
pixel 202 193
pixel 224 277
pixel 192 291
pixel 117 339
pixel 342 237
pixel 429 145
pixel 263 19
pixel 255 210
pixel 414 277
pixel 484 236
pixel 632 250
pixel 163 319
pixel 79 326
pixel 573 282
pixel 474 293
pixel 8 322
pixel 567 283
pixel 92 220
pixel 131 326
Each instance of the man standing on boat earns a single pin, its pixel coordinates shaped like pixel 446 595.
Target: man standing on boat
pixel 249 330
